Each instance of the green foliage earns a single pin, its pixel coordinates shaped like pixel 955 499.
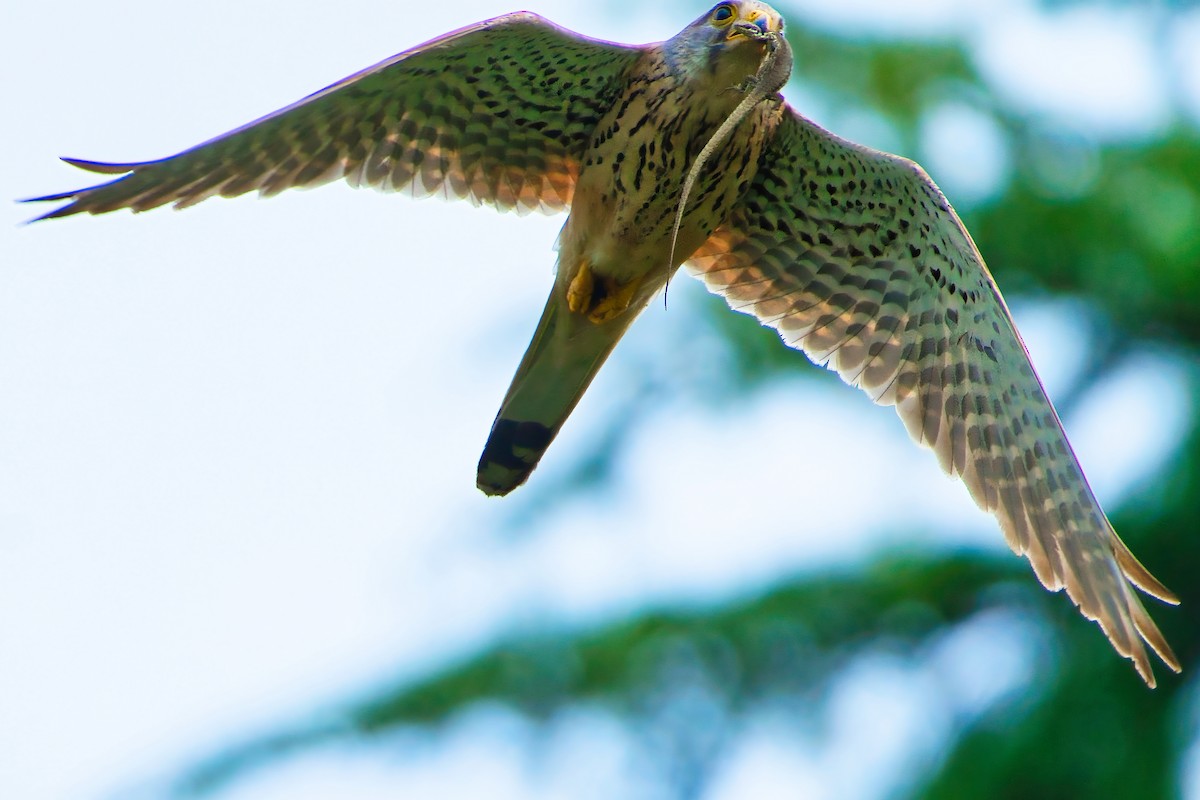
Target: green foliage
pixel 894 78
pixel 790 642
pixel 1126 237
pixel 794 638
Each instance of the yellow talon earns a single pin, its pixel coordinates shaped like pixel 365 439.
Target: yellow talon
pixel 579 292
pixel 599 306
pixel 614 301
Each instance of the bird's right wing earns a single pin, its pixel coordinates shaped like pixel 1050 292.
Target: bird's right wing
pixel 499 112
pixel 856 258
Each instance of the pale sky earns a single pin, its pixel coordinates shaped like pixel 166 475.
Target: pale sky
pixel 238 443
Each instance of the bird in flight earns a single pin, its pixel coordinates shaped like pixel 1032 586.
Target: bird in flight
pixel 684 153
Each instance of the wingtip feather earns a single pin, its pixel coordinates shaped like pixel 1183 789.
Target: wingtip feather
pixel 1139 576
pixel 101 167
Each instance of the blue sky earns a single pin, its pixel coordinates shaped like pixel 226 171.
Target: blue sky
pixel 237 464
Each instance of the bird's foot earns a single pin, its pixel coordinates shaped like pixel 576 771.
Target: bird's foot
pixel 580 289
pixel 614 300
pixel 599 300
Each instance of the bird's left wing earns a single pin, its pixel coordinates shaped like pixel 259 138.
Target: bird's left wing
pixel 856 258
pixel 498 112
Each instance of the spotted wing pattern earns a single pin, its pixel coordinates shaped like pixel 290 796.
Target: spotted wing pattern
pixel 855 257
pixel 499 112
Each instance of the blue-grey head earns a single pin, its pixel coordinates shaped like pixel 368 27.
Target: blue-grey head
pixel 728 36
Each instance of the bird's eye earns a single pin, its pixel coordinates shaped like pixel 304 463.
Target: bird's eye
pixel 723 14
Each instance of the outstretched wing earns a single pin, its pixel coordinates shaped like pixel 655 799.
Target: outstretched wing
pixel 498 112
pixel 855 257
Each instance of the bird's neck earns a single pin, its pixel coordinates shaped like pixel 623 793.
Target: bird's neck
pixel 707 65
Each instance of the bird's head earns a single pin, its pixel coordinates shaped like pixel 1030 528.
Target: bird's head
pixel 730 33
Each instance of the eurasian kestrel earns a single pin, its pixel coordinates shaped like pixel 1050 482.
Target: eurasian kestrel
pixel 852 255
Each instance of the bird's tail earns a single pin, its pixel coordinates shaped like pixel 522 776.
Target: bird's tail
pixel 566 352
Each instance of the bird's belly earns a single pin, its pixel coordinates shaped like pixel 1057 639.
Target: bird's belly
pixel 627 198
pixel 625 231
